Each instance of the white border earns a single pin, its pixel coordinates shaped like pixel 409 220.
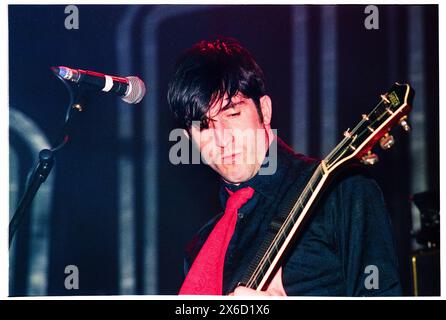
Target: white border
pixel 4 143
pixel 4 154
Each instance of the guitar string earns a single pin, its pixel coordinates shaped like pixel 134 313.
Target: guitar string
pixel 340 145
pixel 343 148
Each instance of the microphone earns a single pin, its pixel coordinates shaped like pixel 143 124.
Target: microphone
pixel 131 89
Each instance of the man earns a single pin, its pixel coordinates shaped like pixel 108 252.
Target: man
pixel 218 95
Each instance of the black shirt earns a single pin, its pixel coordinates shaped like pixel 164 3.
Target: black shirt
pixel 345 249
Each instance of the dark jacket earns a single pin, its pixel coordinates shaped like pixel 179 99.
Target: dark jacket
pixel 346 243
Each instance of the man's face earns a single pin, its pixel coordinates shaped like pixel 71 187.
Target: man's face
pixel 235 143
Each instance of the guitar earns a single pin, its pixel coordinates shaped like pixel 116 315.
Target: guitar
pixel 392 109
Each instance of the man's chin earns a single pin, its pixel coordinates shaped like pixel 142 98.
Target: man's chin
pixel 236 178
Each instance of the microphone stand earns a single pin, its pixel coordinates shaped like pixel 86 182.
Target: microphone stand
pixel 46 159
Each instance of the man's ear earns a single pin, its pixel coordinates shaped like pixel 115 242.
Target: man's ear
pixel 266 108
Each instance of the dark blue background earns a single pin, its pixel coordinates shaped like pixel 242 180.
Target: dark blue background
pixel 84 213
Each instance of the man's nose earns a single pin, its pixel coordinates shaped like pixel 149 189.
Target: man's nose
pixel 223 135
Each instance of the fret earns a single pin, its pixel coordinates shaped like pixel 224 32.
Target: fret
pixel 292 217
pixel 281 236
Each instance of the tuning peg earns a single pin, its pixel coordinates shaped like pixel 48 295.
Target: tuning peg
pixel 369 159
pixel 387 141
pixel 403 123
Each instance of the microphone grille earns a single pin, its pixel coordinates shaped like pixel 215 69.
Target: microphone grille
pixel 135 91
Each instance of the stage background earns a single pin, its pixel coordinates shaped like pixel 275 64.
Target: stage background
pixel 115 207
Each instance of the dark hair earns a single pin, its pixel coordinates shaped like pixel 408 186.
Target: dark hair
pixel 208 71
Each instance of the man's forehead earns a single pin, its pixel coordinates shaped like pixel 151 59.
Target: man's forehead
pixel 217 106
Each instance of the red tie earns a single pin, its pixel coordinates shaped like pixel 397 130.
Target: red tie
pixel 205 277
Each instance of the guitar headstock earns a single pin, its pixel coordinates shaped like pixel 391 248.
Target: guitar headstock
pixel 392 109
